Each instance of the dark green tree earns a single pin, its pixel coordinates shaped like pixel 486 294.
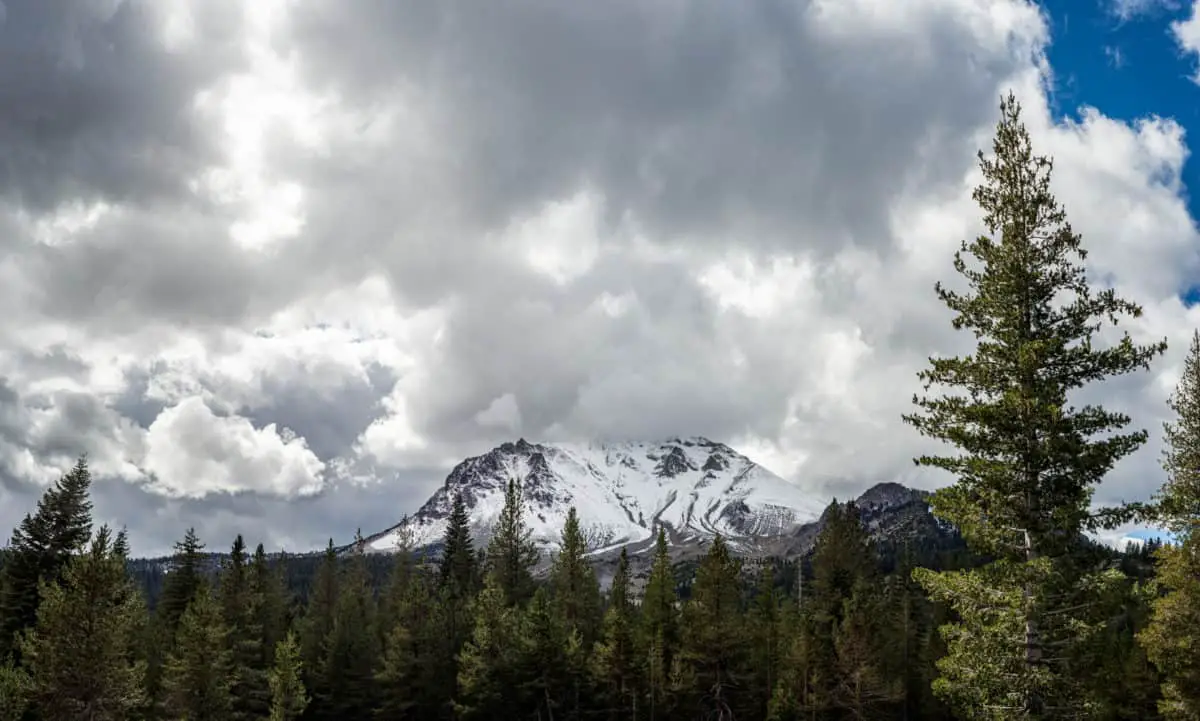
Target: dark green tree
pixel 316 630
pixel 616 662
pixel 240 609
pixel 40 548
pixel 15 690
pixel 660 628
pixel 713 648
pixel 78 654
pixel 267 586
pixel 1027 460
pixel 488 685
pixel 511 553
pixel 573 582
pixel 458 566
pixel 353 648
pixel 198 673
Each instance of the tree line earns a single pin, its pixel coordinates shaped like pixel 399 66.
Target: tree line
pixel 1036 622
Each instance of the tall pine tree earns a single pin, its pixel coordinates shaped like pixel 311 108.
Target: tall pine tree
pixel 1172 639
pixel 198 673
pixel 240 610
pixel 40 549
pixel 288 698
pixel 512 553
pixel 79 654
pixel 1027 459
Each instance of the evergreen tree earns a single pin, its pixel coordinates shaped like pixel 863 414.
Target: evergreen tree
pixel 240 610
pixel 1028 460
pixel 765 633
pixel 1172 639
pixel 181 586
pixel 458 566
pixel 198 673
pixel 267 587
pixel 411 680
pixel 488 686
pixel 551 663
pixel 288 698
pixel 352 649
pixel 39 551
pixel 511 553
pixel 15 690
pixel 316 630
pixel 660 630
pixel 573 580
pixel 79 652
pixel 713 647
pixel 616 662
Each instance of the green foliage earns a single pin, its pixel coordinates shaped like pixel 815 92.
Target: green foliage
pixel 352 649
pixel 487 684
pixel 574 585
pixel 288 697
pixel 1027 459
pixel 40 549
pixel 198 675
pixel 15 690
pixel 79 655
pixel 241 606
pixel 458 570
pixel 511 553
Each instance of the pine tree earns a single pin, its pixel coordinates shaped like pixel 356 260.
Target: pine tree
pixel 765 633
pixel 198 673
pixel 288 698
pixel 616 662
pixel 549 661
pixel 15 690
pixel 488 687
pixel 1028 461
pixel 352 649
pixel 240 609
pixel 411 680
pixel 660 630
pixel 267 585
pixel 458 566
pixel 316 629
pixel 1172 639
pixel 183 583
pixel 40 548
pixel 511 553
pixel 78 654
pixel 573 580
pixel 713 648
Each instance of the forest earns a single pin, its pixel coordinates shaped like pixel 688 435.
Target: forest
pixel 1027 619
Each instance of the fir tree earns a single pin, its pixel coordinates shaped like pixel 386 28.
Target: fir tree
pixel 1172 639
pixel 1028 461
pixel 39 551
pixel 660 631
pixel 240 608
pixel 573 580
pixel 79 653
pixel 458 566
pixel 616 662
pixel 198 673
pixel 316 629
pixel 267 586
pixel 288 698
pixel 765 634
pixel 410 679
pixel 488 686
pixel 713 649
pixel 15 690
pixel 511 553
pixel 181 586
pixel 352 649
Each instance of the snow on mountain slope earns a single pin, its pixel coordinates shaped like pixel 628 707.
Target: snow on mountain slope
pixel 622 491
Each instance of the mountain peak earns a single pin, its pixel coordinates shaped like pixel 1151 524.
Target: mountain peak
pixel 623 492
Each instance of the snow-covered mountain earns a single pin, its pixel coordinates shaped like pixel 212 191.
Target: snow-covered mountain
pixel 693 487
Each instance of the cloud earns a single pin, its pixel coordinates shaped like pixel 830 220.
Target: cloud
pixel 278 265
pixel 1126 10
pixel 1187 35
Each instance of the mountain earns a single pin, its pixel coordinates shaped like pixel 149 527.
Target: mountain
pixel 694 488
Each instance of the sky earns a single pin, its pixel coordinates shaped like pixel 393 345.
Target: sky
pixel 277 266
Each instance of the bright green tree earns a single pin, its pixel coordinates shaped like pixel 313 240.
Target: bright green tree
pixel 1027 460
pixel 15 690
pixel 1172 639
pixel 488 685
pixel 78 654
pixel 288 698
